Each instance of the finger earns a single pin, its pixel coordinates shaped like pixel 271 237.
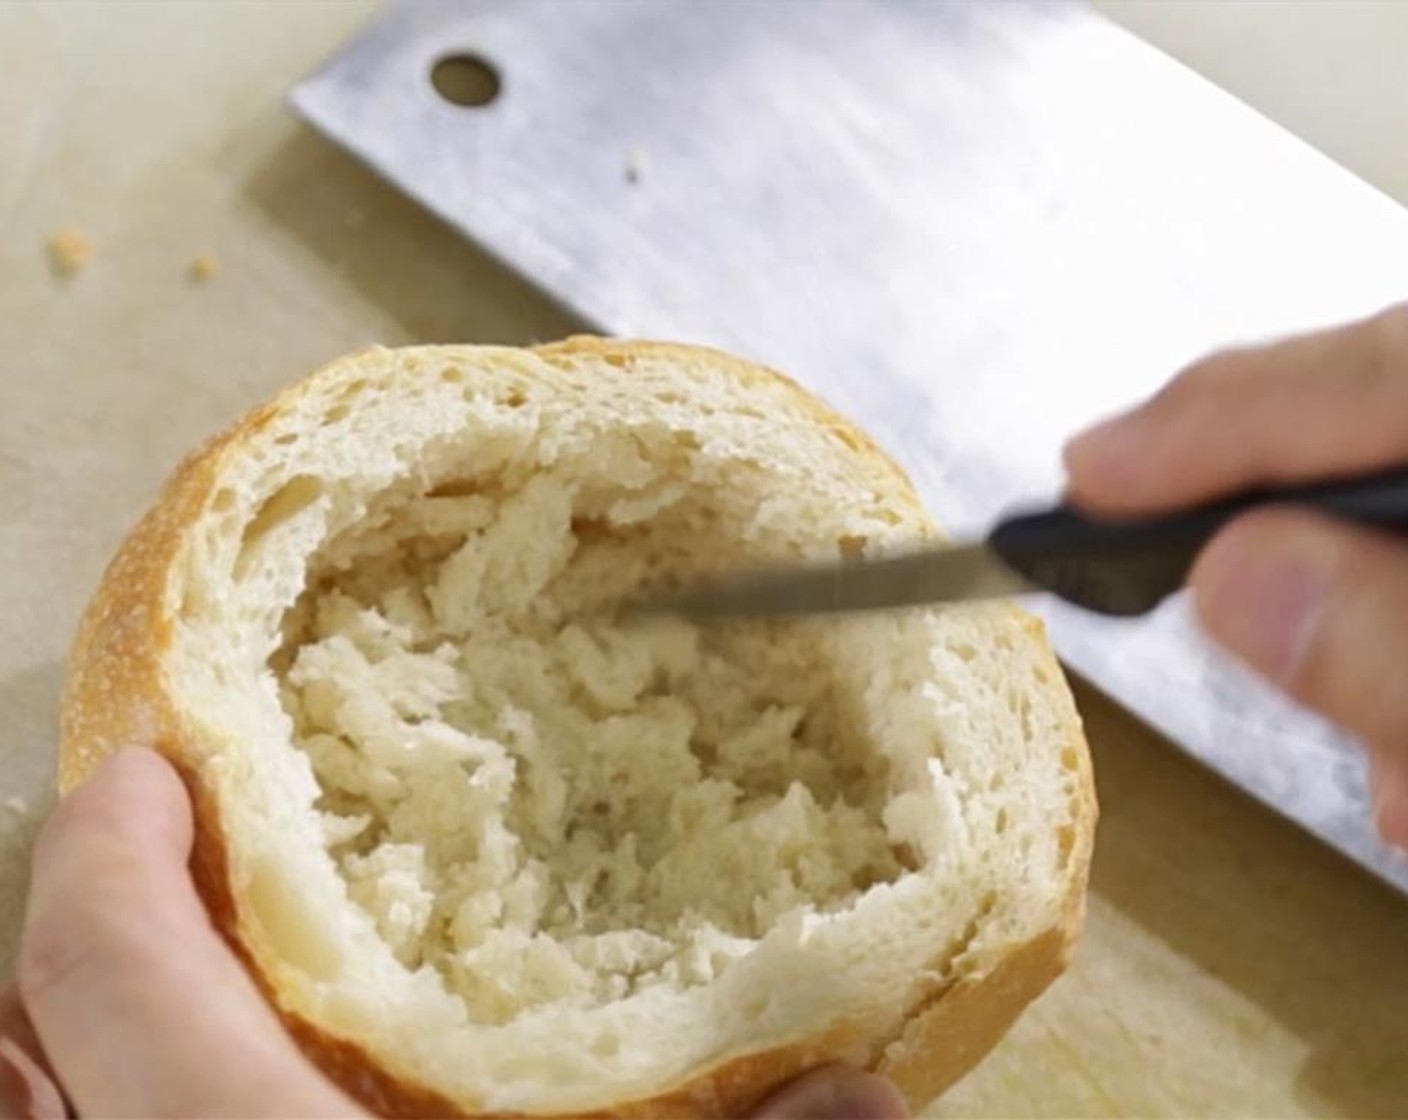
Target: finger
pixel 28 1090
pixel 1320 608
pixel 835 1093
pixel 139 1004
pixel 1320 404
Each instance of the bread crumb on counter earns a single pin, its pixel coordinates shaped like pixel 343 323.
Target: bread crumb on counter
pixel 70 251
pixel 203 268
pixel 16 805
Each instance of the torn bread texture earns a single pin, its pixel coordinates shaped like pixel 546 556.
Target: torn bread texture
pixel 489 849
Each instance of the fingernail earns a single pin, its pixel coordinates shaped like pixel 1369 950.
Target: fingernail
pixel 1263 606
pixel 1390 785
pixel 836 1093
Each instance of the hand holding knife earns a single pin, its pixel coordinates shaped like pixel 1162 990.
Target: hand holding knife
pixel 1116 567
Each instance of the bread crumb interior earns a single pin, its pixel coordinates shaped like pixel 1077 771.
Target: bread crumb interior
pixel 545 806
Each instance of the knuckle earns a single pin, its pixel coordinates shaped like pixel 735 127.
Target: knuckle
pixel 1197 378
pixel 60 954
pixel 80 926
pixel 1312 681
pixel 88 947
pixel 1385 726
pixel 1342 670
pixel 1208 380
pixel 1392 323
pixel 1388 336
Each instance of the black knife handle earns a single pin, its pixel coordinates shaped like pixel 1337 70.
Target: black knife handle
pixel 1128 567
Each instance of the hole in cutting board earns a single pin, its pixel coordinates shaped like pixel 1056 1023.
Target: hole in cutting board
pixel 465 80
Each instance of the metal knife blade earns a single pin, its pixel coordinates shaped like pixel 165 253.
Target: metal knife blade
pixel 945 575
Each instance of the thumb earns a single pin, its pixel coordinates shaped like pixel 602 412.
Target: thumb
pixel 140 1006
pixel 1321 609
pixel 834 1093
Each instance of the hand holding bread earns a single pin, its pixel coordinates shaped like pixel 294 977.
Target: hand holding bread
pixel 143 1009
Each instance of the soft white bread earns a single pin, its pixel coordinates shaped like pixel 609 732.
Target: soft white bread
pixel 488 850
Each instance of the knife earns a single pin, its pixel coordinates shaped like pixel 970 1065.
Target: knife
pixel 1120 567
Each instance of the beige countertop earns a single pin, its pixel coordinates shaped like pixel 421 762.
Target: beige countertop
pixel 1331 71
pixel 1232 966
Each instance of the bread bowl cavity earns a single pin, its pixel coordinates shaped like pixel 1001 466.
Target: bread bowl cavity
pixel 488 847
